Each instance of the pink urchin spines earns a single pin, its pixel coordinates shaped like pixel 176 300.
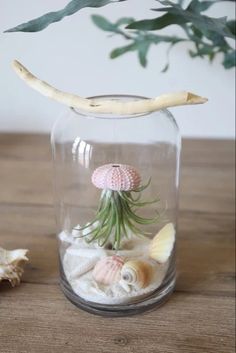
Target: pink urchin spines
pixel 117 177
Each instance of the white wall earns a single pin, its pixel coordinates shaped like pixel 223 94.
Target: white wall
pixel 73 56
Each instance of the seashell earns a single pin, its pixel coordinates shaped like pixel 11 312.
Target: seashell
pixel 116 290
pixel 63 236
pixel 163 243
pixel 76 232
pixel 86 252
pixel 128 253
pixel 107 270
pixel 84 266
pixel 11 265
pixel 118 177
pixel 125 286
pixel 137 273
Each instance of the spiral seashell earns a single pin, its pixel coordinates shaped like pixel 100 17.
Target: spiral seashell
pixel 162 244
pixel 118 177
pixel 107 270
pixel 137 273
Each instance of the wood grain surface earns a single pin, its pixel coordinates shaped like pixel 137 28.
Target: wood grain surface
pixel 199 318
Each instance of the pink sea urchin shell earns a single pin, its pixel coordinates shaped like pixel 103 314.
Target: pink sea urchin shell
pixel 118 177
pixel 108 269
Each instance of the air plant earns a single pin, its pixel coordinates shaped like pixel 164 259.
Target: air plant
pixel 120 199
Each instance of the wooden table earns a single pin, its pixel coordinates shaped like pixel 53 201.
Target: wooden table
pixel 36 318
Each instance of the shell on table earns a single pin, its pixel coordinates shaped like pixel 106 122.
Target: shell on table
pixel 137 273
pixel 107 270
pixel 11 265
pixel 162 244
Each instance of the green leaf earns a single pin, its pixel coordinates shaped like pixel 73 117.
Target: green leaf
pixel 232 26
pixel 197 37
pixel 102 23
pixel 230 60
pixel 38 24
pixel 122 50
pixel 165 68
pixel 124 21
pixel 156 23
pixel 203 51
pixel 196 32
pixel 218 40
pixel 202 22
pixel 143 48
pixel 167 65
pixel 199 6
pixel 142 44
pixel 177 15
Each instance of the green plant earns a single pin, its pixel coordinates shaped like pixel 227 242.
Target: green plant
pixel 116 216
pixel 209 36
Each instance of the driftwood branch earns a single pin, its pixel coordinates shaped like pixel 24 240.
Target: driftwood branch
pixel 106 106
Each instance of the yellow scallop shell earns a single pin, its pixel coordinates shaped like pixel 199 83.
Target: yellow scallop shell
pixel 162 244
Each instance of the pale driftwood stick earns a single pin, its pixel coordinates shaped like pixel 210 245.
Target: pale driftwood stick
pixel 106 106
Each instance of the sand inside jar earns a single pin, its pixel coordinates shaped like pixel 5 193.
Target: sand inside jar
pixel 79 259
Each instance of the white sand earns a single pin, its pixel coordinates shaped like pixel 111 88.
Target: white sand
pixel 80 258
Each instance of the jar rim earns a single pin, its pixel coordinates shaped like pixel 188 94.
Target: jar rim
pixel 111 116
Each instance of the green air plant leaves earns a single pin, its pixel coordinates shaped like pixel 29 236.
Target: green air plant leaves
pixel 117 216
pixel 38 24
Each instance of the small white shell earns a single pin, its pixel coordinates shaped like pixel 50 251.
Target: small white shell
pixel 11 265
pixel 116 290
pixel 79 261
pixel 86 252
pixel 162 244
pixel 136 273
pixel 107 270
pixel 86 264
pixel 125 286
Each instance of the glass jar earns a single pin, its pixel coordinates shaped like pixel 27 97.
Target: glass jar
pixel 116 192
